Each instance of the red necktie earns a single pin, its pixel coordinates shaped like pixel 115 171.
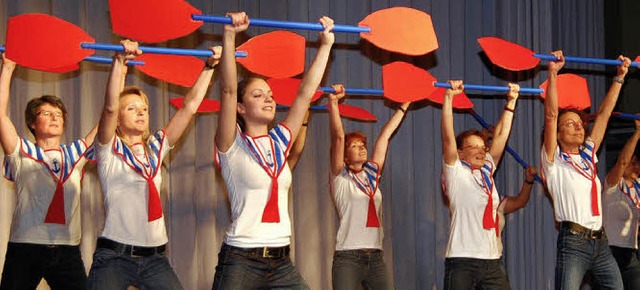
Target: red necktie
pixel 155 206
pixel 271 213
pixel 372 217
pixel 487 220
pixel 55 213
pixel 594 197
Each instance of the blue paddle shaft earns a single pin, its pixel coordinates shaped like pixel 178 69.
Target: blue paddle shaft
pixel 157 50
pixel 490 88
pixel 98 59
pixel 311 108
pixel 354 91
pixel 509 149
pixel 283 24
pixel 588 60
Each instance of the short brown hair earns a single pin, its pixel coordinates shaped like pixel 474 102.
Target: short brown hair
pixel 581 113
pixel 33 108
pixel 468 133
pixel 354 136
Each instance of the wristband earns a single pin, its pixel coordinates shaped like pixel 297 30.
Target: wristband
pixel 506 108
pixel 618 80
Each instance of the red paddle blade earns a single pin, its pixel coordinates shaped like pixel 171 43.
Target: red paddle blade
pixel 401 29
pixel 44 42
pixel 573 92
pixel 637 59
pixel 65 69
pixel 356 113
pixel 175 69
pixel 278 54
pixel 207 105
pixel 508 55
pixel 403 82
pixel 460 101
pixel 152 20
pixel 285 90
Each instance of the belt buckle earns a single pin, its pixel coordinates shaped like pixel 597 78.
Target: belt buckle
pixel 265 253
pixel 593 234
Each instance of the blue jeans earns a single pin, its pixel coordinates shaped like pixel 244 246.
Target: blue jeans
pixel 26 264
pixel 113 270
pixel 629 266
pixel 470 273
pixel 352 268
pixel 577 254
pixel 240 270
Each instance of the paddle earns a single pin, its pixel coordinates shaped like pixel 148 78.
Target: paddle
pixel 212 106
pixel 398 29
pixel 402 82
pixel 44 42
pixel 511 56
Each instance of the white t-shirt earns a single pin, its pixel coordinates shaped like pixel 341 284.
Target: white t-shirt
pixel 570 189
pixel 621 214
pixel 352 203
pixel 467 202
pixel 249 188
pixel 126 192
pixel 36 173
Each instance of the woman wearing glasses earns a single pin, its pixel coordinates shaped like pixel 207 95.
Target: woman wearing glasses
pixel 45 234
pixel 473 254
pixel 569 160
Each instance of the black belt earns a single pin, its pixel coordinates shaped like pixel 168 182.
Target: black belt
pixel 134 251
pixel 577 229
pixel 264 252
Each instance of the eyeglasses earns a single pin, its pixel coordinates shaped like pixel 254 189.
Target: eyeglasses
pixel 49 114
pixel 574 124
pixel 476 147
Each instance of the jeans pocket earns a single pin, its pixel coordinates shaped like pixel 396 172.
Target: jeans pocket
pixel 102 256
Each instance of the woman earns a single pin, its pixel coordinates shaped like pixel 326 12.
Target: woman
pixel 358 259
pixel 474 250
pixel 569 167
pixel 131 248
pixel 45 234
pixel 255 252
pixel 622 211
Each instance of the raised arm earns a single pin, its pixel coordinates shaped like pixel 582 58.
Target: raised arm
pixel 514 203
pixel 336 130
pixel 609 102
pixel 551 107
pixel 449 147
pixel 382 143
pixel 503 128
pixel 8 135
pixel 109 119
pixel 311 79
pixel 615 174
pixel 192 100
pixel 298 146
pixel 226 130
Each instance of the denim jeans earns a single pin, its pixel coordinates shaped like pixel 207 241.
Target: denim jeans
pixel 629 266
pixel 352 268
pixel 113 270
pixel 239 270
pixel 26 264
pixel 578 254
pixel 469 273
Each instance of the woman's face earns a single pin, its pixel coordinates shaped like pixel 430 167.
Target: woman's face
pixel 134 115
pixel 474 151
pixel 633 169
pixel 356 152
pixel 570 130
pixel 258 105
pixel 49 122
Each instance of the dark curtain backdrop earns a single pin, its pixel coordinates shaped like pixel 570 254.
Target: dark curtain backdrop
pixel 416 220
